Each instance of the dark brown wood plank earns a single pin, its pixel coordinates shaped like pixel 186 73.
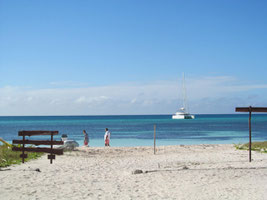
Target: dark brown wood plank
pixel 23 155
pixel 38 142
pixel 45 150
pixel 242 109
pixel 51 157
pixel 38 132
pixel 253 109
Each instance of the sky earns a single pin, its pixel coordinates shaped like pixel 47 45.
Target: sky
pixel 123 57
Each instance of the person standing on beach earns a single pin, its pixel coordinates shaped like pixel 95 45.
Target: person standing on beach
pixel 107 137
pixel 86 138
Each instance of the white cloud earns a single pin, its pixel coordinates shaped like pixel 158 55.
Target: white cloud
pixel 91 100
pixel 80 100
pixel 133 101
pixel 218 86
pixel 29 98
pixel 67 84
pixel 205 95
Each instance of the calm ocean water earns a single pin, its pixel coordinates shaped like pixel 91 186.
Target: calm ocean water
pixel 138 130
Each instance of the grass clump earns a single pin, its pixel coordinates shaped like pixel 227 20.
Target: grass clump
pixel 9 157
pixel 255 146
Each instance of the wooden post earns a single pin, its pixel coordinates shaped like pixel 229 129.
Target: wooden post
pixel 51 158
pixel 23 146
pixel 154 139
pixel 249 124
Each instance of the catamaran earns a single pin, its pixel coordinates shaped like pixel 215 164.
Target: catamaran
pixel 183 112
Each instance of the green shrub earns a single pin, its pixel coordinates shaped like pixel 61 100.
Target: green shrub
pixel 255 146
pixel 9 157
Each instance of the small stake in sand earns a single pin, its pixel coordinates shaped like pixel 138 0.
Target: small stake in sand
pixel 250 109
pixel 154 139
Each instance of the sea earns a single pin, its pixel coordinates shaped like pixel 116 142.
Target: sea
pixel 138 130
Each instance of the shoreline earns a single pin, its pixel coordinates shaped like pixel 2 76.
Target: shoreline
pixel 206 171
pixel 98 143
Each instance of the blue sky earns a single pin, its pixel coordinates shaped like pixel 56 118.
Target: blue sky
pixel 127 57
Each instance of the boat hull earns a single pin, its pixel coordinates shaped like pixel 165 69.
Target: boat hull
pixel 183 117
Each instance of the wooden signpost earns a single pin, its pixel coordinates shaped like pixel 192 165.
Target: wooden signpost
pixel 50 142
pixel 154 139
pixel 250 110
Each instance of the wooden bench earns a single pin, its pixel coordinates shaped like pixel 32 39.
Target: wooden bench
pixel 50 142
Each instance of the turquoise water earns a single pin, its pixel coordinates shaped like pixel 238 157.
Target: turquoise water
pixel 138 130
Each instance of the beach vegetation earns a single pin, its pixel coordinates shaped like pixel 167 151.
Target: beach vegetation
pixel 255 146
pixel 9 157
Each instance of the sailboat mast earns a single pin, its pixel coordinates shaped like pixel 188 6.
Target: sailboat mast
pixel 184 95
pixel 184 112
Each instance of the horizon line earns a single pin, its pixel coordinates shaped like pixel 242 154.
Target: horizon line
pixel 119 115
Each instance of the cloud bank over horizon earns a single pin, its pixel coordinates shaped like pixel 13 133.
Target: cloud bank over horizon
pixel 207 95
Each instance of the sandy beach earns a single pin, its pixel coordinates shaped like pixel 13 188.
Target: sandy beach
pixel 175 172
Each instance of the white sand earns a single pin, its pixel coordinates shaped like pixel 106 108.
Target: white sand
pixel 175 172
